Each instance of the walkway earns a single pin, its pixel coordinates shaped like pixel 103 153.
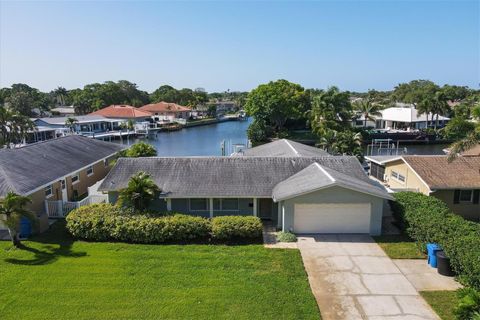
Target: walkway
pixel 352 278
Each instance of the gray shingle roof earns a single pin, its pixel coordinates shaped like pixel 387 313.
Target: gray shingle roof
pixel 27 168
pixel 225 176
pixel 316 177
pixel 285 148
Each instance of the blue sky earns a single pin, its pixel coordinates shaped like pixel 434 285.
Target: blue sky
pixel 355 45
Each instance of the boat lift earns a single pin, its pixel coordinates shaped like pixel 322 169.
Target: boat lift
pixel 385 147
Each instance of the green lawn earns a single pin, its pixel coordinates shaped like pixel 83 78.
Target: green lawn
pixel 54 277
pixel 443 302
pixel 399 247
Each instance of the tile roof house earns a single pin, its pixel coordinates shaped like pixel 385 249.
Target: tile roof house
pixel 457 183
pixel 61 169
pixel 167 111
pixel 304 194
pixel 123 112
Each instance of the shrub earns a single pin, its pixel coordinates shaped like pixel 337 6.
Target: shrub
pixel 236 228
pixel 103 222
pixel 140 149
pixel 468 305
pixel 427 219
pixel 286 237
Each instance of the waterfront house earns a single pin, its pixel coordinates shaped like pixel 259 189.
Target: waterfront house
pixel 167 112
pixel 457 183
pixel 407 118
pixel 88 125
pixel 56 172
pixel 64 111
pixel 303 194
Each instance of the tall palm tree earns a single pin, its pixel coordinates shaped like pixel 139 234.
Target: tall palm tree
pixel 465 144
pixel 440 106
pixel 70 123
pixel 368 109
pixel 12 209
pixel 60 96
pixel 141 190
pixel 426 106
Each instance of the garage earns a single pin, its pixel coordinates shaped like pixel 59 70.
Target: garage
pixel 332 218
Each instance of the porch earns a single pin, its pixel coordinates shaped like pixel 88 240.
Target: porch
pixel 60 209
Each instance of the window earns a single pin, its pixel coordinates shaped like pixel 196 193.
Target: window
pixel 466 195
pixel 397 176
pixel 200 204
pixel 48 191
pixel 89 171
pixel 105 162
pixel 75 178
pixel 225 204
pixel 63 184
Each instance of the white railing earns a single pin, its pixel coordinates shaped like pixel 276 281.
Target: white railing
pixel 59 208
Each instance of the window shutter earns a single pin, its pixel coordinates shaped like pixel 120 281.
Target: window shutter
pixel 476 196
pixel 456 196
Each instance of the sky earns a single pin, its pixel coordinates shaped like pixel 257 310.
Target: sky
pixel 233 45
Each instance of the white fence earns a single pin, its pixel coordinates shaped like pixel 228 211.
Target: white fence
pixel 59 209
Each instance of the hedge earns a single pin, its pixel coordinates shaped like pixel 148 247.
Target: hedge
pixel 428 219
pixel 106 222
pixel 236 228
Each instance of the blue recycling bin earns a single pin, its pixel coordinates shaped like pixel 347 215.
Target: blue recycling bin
pixel 25 228
pixel 432 249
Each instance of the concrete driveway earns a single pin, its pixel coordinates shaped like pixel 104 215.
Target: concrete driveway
pixel 352 278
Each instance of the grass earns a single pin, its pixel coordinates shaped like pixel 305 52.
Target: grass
pixel 399 247
pixel 443 302
pixel 55 277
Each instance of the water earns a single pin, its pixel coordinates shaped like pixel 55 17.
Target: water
pixel 199 141
pixel 206 140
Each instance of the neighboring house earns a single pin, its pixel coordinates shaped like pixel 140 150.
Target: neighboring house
pixel 125 112
pixel 359 121
pixel 321 194
pixel 85 125
pixel 283 148
pixel 226 107
pixel 59 169
pixel 407 118
pixel 64 111
pixel 167 112
pixel 457 183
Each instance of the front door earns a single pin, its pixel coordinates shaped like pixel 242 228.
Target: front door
pixel 265 208
pixel 63 184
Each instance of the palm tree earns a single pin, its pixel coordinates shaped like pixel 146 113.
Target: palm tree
pixel 12 209
pixel 14 127
pixel 465 144
pixel 426 106
pixel 60 95
pixel 368 109
pixel 141 190
pixel 70 123
pixel 439 106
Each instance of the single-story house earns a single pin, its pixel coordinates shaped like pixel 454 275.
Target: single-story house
pixel 87 125
pixel 64 111
pixel 283 148
pixel 407 117
pixel 457 183
pixel 322 194
pixel 167 111
pixel 122 111
pixel 60 169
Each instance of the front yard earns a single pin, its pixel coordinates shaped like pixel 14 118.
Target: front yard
pixel 399 247
pixel 54 277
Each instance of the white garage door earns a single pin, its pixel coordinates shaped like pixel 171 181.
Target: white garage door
pixel 332 218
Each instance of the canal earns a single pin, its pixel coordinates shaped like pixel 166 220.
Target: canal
pixel 206 141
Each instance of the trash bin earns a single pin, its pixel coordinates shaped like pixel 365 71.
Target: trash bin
pixel 432 249
pixel 25 228
pixel 443 264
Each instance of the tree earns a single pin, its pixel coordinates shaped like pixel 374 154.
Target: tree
pixel 472 139
pixel 70 123
pixel 141 190
pixel 458 129
pixel 343 143
pixel 141 149
pixel 60 96
pixel 368 109
pixel 440 106
pixel 12 210
pixel 276 102
pixel 331 110
pixel 455 93
pixel 258 131
pixel 14 127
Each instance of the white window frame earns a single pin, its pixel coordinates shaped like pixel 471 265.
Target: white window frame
pixel 91 173
pixel 465 201
pixel 227 210
pixel 396 176
pixel 49 187
pixel 78 178
pixel 190 204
